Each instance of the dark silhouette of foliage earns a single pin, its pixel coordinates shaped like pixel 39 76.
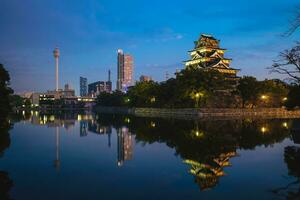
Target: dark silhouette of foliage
pixel 5 92
pixel 116 98
pixel 293 97
pixel 248 88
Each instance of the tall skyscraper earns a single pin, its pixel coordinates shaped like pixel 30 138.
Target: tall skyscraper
pixel 56 56
pixel 83 86
pixel 120 69
pixel 109 83
pixel 128 71
pixel 125 71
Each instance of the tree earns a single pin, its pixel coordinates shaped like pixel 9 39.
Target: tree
pixel 5 91
pixel 273 93
pixel 198 86
pixel 288 63
pixel 295 24
pixel 293 97
pixel 16 101
pixel 111 99
pixel 248 89
pixel 143 94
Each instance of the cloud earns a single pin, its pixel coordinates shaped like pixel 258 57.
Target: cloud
pixel 162 35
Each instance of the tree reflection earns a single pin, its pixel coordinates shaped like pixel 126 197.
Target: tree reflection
pixel 5 182
pixel 292 160
pixel 5 185
pixel 206 146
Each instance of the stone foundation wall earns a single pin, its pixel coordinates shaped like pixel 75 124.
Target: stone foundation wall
pixel 203 113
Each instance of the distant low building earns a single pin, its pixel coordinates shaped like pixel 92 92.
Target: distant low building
pixel 25 95
pixel 144 78
pixel 66 97
pixel 68 92
pixel 94 89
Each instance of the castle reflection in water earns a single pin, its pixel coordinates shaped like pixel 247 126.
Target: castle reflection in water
pixel 206 147
pixel 88 124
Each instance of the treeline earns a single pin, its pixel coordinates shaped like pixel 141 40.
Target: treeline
pixel 195 88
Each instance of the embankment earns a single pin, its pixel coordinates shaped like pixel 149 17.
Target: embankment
pixel 203 113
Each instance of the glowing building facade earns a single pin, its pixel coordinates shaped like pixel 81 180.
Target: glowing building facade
pixel 125 71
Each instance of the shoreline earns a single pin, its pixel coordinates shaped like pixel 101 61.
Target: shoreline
pixel 202 113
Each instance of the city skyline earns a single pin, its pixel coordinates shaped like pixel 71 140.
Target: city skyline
pixel 89 33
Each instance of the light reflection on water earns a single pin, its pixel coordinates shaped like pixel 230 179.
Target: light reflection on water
pixel 115 156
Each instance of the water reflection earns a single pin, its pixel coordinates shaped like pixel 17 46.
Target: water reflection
pixel 125 145
pixel 57 147
pixel 292 160
pixel 6 182
pixel 206 147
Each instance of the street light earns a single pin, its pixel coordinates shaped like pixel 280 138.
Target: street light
pixel 264 129
pixel 127 100
pixel 152 100
pixel 197 96
pixel 264 97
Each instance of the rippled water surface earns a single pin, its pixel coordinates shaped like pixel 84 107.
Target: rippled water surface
pixel 98 156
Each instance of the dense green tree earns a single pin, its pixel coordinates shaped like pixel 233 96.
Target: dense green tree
pixel 5 91
pixel 190 88
pixel 116 98
pixel 16 101
pixel 273 93
pixel 143 94
pixel 293 97
pixel 249 89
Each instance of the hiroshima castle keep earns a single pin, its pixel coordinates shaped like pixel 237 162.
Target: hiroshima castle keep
pixel 207 54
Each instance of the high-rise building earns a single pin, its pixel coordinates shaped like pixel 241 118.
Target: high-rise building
pixel 109 83
pixel 128 71
pixel 120 69
pixel 83 86
pixel 125 71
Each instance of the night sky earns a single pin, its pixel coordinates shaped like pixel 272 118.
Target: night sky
pixel 157 33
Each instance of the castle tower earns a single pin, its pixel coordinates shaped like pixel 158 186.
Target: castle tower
pixel 207 54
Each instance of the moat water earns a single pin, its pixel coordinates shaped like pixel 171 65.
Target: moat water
pixel 98 156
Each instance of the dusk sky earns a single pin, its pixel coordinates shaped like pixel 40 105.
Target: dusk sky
pixel 157 33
